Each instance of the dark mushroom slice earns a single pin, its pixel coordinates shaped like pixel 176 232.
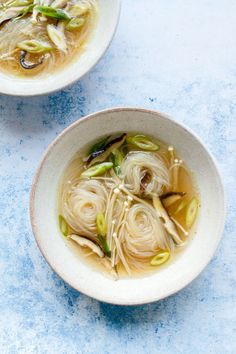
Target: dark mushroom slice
pixel 101 155
pixel 26 65
pixel 85 242
pixel 99 145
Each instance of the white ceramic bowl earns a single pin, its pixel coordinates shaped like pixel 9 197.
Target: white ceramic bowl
pixel 167 280
pixel 109 11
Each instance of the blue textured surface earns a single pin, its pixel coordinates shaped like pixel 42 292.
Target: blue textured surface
pixel 175 56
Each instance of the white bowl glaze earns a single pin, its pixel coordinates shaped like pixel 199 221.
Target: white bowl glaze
pixel 109 11
pixel 167 280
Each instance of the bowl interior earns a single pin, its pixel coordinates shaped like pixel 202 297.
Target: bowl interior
pixel 164 282
pixel 107 21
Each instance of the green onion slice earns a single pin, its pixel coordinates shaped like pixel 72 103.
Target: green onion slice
pixel 160 258
pixel 191 212
pixel 64 227
pixel 49 11
pixel 34 46
pixel 104 245
pixel 97 170
pixel 24 12
pixel 102 231
pixel 75 23
pixel 143 142
pixel 116 158
pixel 101 224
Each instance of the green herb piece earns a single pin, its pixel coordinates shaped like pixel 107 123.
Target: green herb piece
pixel 101 224
pixel 75 23
pixel 116 158
pixel 49 11
pixel 99 145
pixel 97 170
pixel 191 212
pixel 34 46
pixel 143 142
pixel 57 37
pixel 104 153
pixel 25 12
pixel 105 246
pixel 160 258
pixel 102 231
pixel 64 227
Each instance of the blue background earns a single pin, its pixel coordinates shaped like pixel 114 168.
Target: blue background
pixel 175 56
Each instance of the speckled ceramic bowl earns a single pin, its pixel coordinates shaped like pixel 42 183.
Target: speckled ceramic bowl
pixel 183 269
pixel 109 11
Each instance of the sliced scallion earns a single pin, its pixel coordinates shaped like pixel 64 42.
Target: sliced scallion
pixel 101 224
pixel 116 158
pixel 64 227
pixel 51 12
pixel 102 231
pixel 34 46
pixel 191 212
pixel 97 170
pixel 75 23
pixel 57 37
pixel 143 142
pixel 105 246
pixel 24 12
pixel 160 258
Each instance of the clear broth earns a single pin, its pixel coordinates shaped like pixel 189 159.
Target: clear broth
pixel 186 183
pixel 55 59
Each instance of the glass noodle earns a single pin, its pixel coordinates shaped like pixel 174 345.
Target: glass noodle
pixel 41 36
pixel 128 204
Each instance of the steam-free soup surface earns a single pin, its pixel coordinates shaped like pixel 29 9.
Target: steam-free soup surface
pixel 127 204
pixel 41 36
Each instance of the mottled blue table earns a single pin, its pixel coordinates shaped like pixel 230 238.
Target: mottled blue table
pixel 175 56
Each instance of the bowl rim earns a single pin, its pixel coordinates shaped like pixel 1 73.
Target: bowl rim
pixel 42 92
pixel 47 153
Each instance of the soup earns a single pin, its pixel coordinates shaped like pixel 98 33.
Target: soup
pixel 128 203
pixel 41 36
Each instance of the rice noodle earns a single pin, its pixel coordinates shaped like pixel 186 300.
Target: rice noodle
pixel 82 204
pixel 143 235
pixel 135 231
pixel 35 27
pixel 138 164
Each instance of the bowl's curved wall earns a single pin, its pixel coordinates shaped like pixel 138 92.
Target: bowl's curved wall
pixel 169 279
pixel 109 11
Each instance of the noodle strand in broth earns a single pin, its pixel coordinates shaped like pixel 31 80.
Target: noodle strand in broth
pixel 49 42
pixel 135 209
